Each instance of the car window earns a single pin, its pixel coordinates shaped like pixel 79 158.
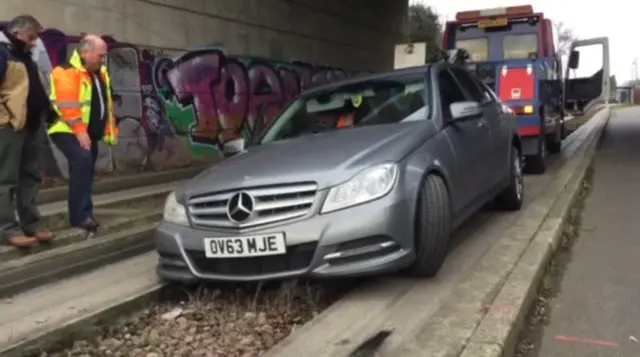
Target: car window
pixel 369 102
pixel 450 92
pixel 488 94
pixel 467 82
pixel 493 97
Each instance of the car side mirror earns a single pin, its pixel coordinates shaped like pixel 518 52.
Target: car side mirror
pixel 574 59
pixel 465 110
pixel 233 147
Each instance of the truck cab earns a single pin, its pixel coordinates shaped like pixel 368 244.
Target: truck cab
pixel 512 50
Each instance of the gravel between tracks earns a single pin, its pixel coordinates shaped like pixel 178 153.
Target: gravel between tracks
pixel 210 323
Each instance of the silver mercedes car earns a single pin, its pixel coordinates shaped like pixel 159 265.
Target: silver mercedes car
pixel 363 176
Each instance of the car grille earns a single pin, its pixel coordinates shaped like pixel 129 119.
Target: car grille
pixel 271 204
pixel 297 257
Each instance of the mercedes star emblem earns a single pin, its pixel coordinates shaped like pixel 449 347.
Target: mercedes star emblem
pixel 240 206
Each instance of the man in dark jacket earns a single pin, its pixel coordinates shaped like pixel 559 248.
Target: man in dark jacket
pixel 24 105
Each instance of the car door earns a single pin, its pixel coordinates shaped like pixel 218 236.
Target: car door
pixel 502 125
pixel 468 139
pixel 487 149
pixel 498 128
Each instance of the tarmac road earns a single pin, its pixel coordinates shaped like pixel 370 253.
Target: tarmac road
pixel 597 310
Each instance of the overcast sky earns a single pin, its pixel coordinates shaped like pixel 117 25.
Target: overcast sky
pixel 613 19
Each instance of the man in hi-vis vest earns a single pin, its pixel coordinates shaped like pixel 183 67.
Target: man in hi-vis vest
pixel 81 93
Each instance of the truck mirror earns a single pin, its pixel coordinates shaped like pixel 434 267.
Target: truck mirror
pixel 574 59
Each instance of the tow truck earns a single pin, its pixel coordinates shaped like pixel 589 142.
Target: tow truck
pixel 513 50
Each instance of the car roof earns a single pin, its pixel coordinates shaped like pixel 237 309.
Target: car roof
pixel 376 76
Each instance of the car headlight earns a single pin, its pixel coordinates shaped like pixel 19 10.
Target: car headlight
pixel 366 186
pixel 174 212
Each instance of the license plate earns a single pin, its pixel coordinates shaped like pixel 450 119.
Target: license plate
pixel 252 246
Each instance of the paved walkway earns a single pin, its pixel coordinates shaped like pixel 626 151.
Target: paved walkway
pixel 597 311
pixel 45 309
pixel 113 197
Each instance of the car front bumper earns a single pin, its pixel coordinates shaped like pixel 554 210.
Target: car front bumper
pixel 369 239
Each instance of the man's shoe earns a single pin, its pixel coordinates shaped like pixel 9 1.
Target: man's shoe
pixel 44 235
pixel 23 241
pixel 89 225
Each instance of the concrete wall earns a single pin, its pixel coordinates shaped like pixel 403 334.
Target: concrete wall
pixel 192 74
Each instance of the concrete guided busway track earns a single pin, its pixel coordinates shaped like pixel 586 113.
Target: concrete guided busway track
pixel 401 306
pixel 420 316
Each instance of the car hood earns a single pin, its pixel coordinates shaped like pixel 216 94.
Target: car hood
pixel 327 158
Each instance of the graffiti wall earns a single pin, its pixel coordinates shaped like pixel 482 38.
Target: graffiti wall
pixel 178 109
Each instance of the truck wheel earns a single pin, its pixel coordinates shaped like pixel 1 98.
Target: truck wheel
pixel 554 144
pixel 537 164
pixel 511 198
pixel 554 140
pixel 433 225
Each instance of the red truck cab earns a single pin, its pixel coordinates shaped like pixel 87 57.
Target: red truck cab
pixel 512 50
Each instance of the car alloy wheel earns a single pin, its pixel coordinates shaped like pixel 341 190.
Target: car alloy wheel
pixel 518 176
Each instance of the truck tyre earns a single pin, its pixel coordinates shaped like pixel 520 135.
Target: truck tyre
pixel 554 144
pixel 433 225
pixel 510 199
pixel 554 140
pixel 536 164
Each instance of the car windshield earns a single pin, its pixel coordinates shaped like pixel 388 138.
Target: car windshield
pixel 370 102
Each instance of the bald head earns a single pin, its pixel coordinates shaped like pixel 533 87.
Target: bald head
pixel 93 51
pixel 90 42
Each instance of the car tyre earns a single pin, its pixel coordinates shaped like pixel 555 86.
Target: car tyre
pixel 511 198
pixel 433 225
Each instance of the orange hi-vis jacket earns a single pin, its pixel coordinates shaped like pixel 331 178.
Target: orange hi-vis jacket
pixel 71 87
pixel 345 120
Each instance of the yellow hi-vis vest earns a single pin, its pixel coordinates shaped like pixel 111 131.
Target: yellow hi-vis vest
pixel 84 101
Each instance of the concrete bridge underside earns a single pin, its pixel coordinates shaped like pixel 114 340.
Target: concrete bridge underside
pixel 190 75
pixel 354 34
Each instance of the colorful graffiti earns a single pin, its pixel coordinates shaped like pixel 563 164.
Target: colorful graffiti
pixel 229 95
pixel 177 109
